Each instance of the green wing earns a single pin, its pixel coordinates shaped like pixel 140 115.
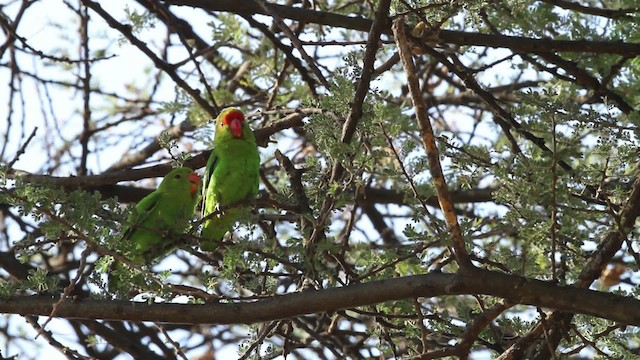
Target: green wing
pixel 137 239
pixel 207 178
pixel 143 233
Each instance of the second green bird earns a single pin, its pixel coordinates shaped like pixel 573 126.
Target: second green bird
pixel 232 175
pixel 156 225
pixel 160 218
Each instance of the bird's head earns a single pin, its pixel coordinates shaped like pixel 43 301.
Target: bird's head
pixel 181 178
pixel 231 119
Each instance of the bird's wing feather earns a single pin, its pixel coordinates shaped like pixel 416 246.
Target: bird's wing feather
pixel 142 210
pixel 206 179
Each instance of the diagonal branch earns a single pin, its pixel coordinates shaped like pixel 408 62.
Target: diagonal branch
pixel 585 79
pixel 429 142
pixel 355 114
pixel 380 22
pixel 607 248
pixel 138 157
pixel 295 41
pixel 159 63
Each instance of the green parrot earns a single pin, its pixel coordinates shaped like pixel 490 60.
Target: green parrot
pixel 162 215
pixel 156 223
pixel 232 175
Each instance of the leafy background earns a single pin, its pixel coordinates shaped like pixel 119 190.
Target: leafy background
pixel 531 114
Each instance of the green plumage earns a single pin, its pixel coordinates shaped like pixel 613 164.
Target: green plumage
pixel 161 217
pixel 156 224
pixel 232 175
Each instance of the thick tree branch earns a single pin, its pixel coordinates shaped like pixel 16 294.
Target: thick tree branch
pixel 476 281
pixel 515 43
pixel 597 11
pixel 294 119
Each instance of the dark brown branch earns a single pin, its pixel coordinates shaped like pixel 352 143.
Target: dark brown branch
pixel 608 13
pixel 585 79
pixel 470 335
pixel 295 179
pixel 85 78
pixel 22 149
pixel 294 119
pixel 476 281
pixel 377 219
pixel 104 184
pixel 109 178
pixel 515 43
pixel 380 22
pixel 48 336
pixel 529 45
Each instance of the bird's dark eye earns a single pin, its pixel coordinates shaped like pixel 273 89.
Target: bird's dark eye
pixel 178 176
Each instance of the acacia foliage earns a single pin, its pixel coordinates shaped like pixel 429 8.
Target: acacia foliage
pixel 532 106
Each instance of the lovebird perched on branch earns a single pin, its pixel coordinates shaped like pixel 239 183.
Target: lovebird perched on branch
pixel 156 224
pixel 232 175
pixel 161 217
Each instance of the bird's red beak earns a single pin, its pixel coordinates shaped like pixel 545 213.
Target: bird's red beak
pixel 235 125
pixel 234 119
pixel 195 180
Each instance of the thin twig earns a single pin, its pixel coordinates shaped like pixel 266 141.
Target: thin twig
pixel 175 344
pixel 22 149
pixel 295 41
pixel 169 69
pixel 69 289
